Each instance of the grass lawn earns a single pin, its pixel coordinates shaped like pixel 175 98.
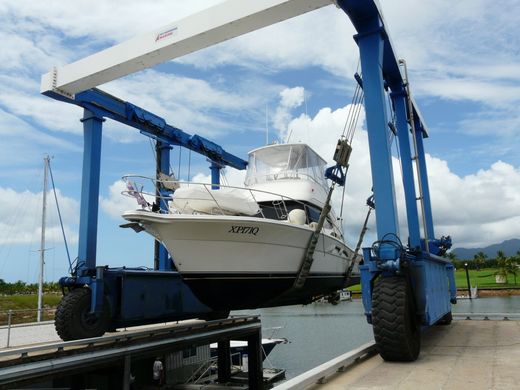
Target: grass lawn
pixel 485 278
pixel 25 306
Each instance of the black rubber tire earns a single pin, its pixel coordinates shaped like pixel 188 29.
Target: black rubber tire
pixel 445 320
pixel 396 329
pixel 73 320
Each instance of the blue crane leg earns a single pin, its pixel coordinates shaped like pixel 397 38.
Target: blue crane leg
pixel 164 262
pixel 92 128
pixel 215 175
pixel 424 181
pixel 371 50
pixel 403 134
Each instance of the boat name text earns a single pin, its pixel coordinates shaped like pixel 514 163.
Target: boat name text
pixel 244 230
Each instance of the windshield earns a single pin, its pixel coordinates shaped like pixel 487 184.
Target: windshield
pixel 288 161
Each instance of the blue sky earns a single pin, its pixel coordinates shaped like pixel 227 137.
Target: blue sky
pixel 464 63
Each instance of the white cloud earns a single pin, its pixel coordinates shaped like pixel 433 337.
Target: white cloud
pixel 195 105
pixel 20 217
pixel 476 209
pixel 116 203
pixel 290 98
pixel 20 139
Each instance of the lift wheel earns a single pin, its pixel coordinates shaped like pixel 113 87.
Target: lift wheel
pixel 73 319
pixel 396 329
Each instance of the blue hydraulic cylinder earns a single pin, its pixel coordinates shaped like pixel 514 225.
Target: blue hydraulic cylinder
pixel 403 135
pixel 371 51
pixel 215 175
pixel 92 129
pixel 428 216
pixel 164 149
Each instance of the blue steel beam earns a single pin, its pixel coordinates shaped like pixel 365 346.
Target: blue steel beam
pixel 151 125
pixel 428 216
pixel 371 44
pixel 92 125
pixel 403 135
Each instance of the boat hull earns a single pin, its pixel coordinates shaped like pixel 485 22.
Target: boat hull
pixel 232 262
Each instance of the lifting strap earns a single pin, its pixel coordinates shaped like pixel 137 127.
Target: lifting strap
pixel 308 259
pixel 371 206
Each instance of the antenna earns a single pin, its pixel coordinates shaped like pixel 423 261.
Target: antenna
pixel 307 115
pixel 266 126
pixel 289 136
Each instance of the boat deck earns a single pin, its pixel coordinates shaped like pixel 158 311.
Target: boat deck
pixel 468 354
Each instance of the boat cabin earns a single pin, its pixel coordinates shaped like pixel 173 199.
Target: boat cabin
pixel 285 161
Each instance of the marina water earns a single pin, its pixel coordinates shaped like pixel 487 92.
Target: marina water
pixel 319 332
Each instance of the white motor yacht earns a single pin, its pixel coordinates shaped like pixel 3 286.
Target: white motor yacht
pixel 240 248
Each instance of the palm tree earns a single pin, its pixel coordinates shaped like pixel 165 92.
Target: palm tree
pixel 452 256
pixel 480 259
pixel 503 268
pixel 511 266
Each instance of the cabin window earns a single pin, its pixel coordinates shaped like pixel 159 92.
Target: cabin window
pixel 283 162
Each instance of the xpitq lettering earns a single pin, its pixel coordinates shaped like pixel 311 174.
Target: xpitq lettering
pixel 244 230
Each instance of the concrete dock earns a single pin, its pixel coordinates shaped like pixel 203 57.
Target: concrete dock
pixel 468 354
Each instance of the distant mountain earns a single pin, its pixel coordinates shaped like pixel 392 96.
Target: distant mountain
pixel 509 247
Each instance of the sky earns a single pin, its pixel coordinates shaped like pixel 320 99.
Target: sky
pixel 295 77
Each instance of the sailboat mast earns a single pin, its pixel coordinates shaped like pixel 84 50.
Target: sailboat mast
pixel 46 161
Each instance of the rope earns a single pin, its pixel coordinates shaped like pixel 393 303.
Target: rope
pixel 350 126
pixel 59 215
pixel 189 165
pixel 179 170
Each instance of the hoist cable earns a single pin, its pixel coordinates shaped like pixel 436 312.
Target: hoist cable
pixel 179 170
pixel 59 214
pixel 189 165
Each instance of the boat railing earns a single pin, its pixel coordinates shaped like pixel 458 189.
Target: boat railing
pixel 275 205
pixel 207 367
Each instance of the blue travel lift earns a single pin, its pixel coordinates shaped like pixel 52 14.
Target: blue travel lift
pixel 121 297
pixel 406 286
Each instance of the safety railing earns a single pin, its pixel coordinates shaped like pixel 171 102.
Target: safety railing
pixel 124 335
pixel 10 319
pixel 276 207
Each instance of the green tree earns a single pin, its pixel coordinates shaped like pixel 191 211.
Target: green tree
pixel 502 264
pixel 512 267
pixel 452 256
pixel 480 260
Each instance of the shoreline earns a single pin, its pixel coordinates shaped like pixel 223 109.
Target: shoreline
pixel 482 292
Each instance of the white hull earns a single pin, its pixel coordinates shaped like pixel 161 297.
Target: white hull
pixel 233 262
pixel 241 245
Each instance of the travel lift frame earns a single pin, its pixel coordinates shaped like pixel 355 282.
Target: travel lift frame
pixel 405 288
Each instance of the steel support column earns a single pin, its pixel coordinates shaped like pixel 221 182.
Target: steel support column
pixel 403 135
pixel 371 46
pixel 224 361
pixel 254 367
pixel 92 129
pixel 424 181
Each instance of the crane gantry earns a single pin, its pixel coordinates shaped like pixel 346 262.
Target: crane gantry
pixel 405 286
